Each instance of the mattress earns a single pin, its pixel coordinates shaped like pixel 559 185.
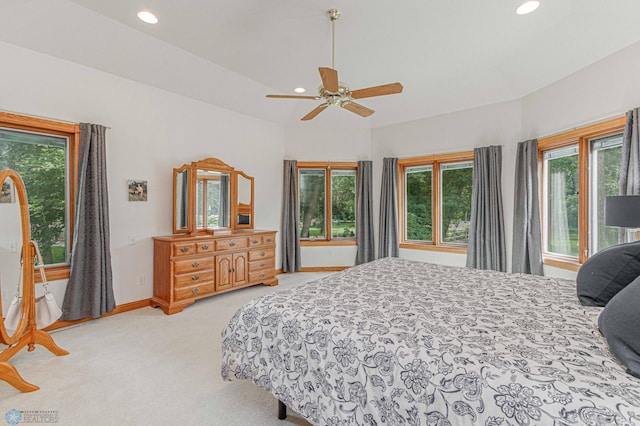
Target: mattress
pixel 399 342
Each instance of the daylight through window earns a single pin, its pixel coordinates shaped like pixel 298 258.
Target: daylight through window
pixel 327 201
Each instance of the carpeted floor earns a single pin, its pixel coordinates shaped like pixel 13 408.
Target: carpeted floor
pixel 145 368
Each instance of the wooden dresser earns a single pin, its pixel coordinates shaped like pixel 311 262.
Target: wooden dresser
pixel 190 267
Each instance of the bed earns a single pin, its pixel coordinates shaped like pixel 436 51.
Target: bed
pixel 399 342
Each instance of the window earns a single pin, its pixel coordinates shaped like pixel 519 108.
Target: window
pixel 43 152
pixel 579 169
pixel 435 201
pixel 327 197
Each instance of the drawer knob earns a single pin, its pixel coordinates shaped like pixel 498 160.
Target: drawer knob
pixel 204 247
pixel 268 240
pixel 262 264
pixel 184 249
pixel 195 278
pixel 195 264
pixel 231 244
pixel 261 253
pixel 255 241
pixel 195 290
pixel 261 275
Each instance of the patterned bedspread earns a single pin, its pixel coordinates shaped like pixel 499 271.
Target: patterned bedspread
pixel 398 342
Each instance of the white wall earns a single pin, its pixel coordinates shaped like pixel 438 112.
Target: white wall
pixel 309 143
pixel 151 132
pixel 497 124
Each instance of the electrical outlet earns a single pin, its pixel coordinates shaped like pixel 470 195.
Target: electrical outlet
pixel 132 240
pixel 13 247
pixel 140 279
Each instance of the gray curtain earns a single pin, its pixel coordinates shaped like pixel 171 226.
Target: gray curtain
pixel 630 164
pixel 527 236
pixel 290 219
pixel 630 161
pixel 364 213
pixel 388 232
pixel 90 289
pixel 486 248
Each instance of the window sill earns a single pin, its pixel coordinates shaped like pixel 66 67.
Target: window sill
pixel 312 243
pixel 431 247
pixel 568 264
pixel 54 273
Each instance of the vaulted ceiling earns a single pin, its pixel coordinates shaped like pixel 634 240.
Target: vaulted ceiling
pixel 449 55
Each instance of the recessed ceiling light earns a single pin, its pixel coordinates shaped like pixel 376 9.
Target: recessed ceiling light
pixel 299 90
pixel 527 7
pixel 148 17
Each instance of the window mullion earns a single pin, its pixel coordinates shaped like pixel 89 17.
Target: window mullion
pixel 583 200
pixel 436 202
pixel 327 204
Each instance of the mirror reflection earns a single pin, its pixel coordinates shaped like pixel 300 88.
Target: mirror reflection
pixel 10 253
pixel 244 190
pixel 181 210
pixel 212 199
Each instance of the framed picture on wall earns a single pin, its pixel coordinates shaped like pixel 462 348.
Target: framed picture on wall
pixel 137 190
pixel 8 194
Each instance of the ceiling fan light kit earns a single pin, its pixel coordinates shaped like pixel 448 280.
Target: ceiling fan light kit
pixel 336 93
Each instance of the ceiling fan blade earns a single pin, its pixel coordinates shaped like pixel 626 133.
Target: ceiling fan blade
pixel 291 97
pixel 361 110
pixel 329 78
pixel 385 89
pixel 317 110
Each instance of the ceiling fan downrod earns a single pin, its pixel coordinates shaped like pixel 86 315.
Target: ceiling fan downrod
pixel 333 15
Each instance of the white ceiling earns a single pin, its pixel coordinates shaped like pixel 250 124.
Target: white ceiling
pixel 449 54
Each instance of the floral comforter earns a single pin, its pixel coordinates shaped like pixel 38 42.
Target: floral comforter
pixel 399 342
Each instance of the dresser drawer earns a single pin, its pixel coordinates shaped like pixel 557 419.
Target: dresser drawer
pixel 184 249
pixel 204 247
pixel 194 278
pixel 184 266
pixel 255 240
pixel 258 276
pixel 264 253
pixel 231 244
pixel 269 239
pixel 258 265
pixel 193 291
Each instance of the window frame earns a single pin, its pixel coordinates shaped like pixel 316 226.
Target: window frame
pixel 328 240
pixel 581 137
pixel 436 192
pixel 63 129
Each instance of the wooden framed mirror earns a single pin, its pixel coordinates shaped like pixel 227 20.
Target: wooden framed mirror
pixel 15 245
pixel 244 206
pixel 205 198
pixel 181 216
pixel 20 254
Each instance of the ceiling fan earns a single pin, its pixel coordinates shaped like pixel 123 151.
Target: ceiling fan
pixel 336 93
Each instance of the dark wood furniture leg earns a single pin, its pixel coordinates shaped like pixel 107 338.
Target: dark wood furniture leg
pixel 282 410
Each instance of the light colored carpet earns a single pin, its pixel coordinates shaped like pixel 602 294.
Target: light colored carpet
pixel 147 368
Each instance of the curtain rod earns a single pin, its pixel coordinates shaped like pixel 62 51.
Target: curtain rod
pixel 44 117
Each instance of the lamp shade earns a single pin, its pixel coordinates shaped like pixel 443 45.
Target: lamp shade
pixel 622 210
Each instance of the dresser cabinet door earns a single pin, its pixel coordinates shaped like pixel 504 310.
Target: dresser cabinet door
pixel 240 272
pixel 224 271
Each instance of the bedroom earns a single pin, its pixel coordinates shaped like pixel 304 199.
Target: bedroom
pixel 146 124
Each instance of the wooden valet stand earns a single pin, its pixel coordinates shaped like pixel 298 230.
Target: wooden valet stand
pixel 26 332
